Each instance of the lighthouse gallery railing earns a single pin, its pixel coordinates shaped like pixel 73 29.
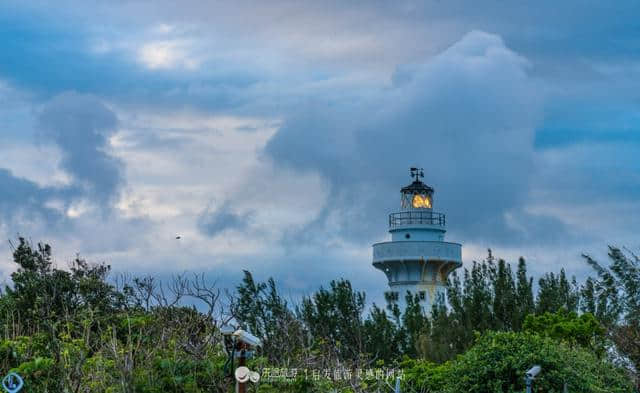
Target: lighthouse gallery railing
pixel 416 217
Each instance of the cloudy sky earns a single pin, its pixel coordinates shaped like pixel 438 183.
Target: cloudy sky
pixel 274 135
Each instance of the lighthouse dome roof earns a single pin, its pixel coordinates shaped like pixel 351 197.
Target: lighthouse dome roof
pixel 417 187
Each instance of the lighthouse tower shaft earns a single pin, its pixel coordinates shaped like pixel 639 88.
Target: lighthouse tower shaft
pixel 417 260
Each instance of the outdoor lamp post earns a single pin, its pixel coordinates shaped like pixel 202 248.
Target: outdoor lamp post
pixel 530 376
pixel 240 344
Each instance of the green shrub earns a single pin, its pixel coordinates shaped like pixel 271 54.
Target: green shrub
pixel 497 363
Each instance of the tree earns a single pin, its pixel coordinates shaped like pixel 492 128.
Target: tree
pixel 505 310
pixel 555 293
pixel 41 291
pixel 260 309
pixel 525 304
pixel 443 336
pixel 615 296
pixel 569 327
pixel 383 339
pixel 413 325
pixel 333 317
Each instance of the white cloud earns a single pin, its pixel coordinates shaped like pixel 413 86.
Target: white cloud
pixel 168 54
pixel 163 28
pixel 178 164
pixel 40 164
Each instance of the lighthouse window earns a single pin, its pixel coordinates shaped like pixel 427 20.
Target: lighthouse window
pixel 421 201
pixel 391 296
pixel 407 236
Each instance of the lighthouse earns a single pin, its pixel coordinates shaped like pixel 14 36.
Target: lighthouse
pixel 417 260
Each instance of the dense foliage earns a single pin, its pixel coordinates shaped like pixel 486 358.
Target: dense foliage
pixel 72 331
pixel 498 360
pixel 614 297
pixel 77 330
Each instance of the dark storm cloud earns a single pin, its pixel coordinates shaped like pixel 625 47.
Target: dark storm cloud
pixel 213 221
pixel 22 197
pixel 80 126
pixel 467 116
pixel 558 33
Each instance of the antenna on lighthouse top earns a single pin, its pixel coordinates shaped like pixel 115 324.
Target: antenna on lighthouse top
pixel 417 173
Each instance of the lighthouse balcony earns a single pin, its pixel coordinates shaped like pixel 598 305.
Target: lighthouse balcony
pixel 416 218
pixel 417 250
pixel 411 263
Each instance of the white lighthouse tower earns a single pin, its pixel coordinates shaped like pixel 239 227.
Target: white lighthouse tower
pixel 417 260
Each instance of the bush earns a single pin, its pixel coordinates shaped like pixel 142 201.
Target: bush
pixel 497 363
